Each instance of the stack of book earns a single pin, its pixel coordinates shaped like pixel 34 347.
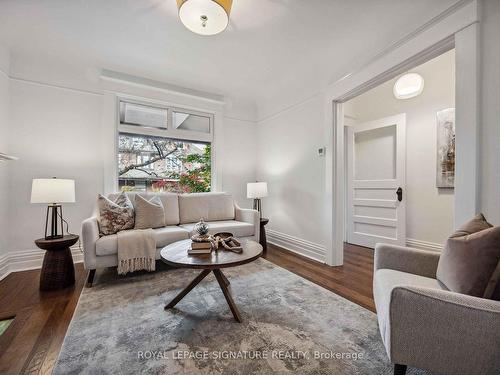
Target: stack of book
pixel 200 248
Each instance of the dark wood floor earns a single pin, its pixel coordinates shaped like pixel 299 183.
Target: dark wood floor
pixel 353 280
pixel 32 342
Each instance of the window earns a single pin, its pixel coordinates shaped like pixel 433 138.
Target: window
pixel 154 156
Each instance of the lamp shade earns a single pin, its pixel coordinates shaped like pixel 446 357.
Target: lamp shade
pixel 52 190
pixel 205 17
pixel 256 190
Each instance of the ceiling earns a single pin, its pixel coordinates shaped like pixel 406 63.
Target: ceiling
pixel 274 51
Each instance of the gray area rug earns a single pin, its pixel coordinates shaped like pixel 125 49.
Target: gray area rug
pixel 290 326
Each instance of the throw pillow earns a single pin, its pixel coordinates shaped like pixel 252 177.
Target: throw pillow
pixel 469 259
pixel 116 215
pixel 149 213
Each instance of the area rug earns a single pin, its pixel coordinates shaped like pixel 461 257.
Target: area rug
pixel 290 325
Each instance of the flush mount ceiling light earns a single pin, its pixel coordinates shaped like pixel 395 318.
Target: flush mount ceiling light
pixel 408 86
pixel 205 17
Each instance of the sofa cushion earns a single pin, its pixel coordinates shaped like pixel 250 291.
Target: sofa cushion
pixel 108 245
pixel 237 228
pixel 169 200
pixel 149 213
pixel 206 206
pixel 384 281
pixel 115 214
pixel 469 259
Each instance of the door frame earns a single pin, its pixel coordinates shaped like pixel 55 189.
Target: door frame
pixel 457 27
pixel 400 121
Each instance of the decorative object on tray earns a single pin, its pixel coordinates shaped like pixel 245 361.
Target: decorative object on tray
pixel 226 241
pixel 201 228
pixel 201 241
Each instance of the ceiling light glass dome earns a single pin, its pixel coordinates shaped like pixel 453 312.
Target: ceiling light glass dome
pixel 205 17
pixel 408 86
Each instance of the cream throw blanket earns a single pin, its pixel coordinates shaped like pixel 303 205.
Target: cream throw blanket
pixel 136 250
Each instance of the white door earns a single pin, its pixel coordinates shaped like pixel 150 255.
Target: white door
pixel 376 160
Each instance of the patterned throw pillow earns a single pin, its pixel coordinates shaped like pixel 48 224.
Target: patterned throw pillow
pixel 115 216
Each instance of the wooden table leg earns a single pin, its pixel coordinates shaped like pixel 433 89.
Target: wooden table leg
pixel 182 294
pixel 220 278
pixel 224 277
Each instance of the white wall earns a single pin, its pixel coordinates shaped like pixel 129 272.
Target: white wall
pixel 55 132
pixel 60 132
pixel 490 111
pixel 4 123
pixel 239 158
pixel 287 146
pixel 429 215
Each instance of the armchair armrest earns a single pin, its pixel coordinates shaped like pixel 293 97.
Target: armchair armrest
pixel 90 235
pixel 249 216
pixel 444 332
pixel 405 259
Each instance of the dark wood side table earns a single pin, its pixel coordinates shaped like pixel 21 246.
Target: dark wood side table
pixel 58 271
pixel 263 239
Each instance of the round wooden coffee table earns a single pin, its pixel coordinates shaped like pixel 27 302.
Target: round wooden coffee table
pixel 176 255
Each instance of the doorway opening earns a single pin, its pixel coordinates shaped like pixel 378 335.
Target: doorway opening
pixel 400 159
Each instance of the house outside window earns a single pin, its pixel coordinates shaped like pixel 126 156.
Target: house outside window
pixel 157 154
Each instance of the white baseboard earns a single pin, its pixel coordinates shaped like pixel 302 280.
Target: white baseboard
pixel 297 245
pixel 24 260
pixel 410 242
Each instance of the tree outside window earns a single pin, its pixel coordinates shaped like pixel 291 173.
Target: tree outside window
pixel 148 163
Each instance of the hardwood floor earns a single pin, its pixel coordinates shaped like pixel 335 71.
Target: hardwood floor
pixel 32 342
pixel 352 281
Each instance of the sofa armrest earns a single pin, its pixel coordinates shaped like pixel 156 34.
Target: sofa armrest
pixel 90 235
pixel 444 332
pixel 249 216
pixel 405 259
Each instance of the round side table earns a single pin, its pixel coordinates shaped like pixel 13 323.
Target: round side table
pixel 263 239
pixel 58 271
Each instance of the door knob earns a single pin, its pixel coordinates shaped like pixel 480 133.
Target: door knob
pixel 399 193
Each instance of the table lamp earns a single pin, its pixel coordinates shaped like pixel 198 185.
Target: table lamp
pixel 53 191
pixel 257 190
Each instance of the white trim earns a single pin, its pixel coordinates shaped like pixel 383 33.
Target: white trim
pixel 297 245
pixel 24 260
pixel 290 107
pixel 37 83
pixel 5 74
pixel 111 76
pixel 436 36
pixel 410 242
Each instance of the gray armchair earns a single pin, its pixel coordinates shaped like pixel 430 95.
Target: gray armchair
pixel 427 327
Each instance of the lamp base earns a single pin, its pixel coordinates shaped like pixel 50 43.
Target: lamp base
pixel 55 213
pixel 257 206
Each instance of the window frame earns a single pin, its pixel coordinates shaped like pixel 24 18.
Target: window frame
pixel 167 132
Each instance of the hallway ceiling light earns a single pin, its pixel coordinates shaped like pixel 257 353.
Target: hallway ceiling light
pixel 408 86
pixel 205 17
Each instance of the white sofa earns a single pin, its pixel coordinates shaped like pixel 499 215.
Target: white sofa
pixel 182 211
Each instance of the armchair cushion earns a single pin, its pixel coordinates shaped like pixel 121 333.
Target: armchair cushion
pixel 384 282
pixel 469 259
